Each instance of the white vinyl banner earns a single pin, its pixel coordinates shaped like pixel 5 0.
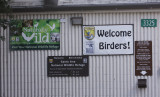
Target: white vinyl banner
pixel 106 40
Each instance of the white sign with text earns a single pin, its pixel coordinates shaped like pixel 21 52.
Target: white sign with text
pixel 106 40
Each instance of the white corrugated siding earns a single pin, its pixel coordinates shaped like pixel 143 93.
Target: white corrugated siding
pixel 24 73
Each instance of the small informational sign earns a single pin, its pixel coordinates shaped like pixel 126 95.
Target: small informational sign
pixel 108 40
pixel 69 66
pixel 143 58
pixel 148 22
pixel 35 34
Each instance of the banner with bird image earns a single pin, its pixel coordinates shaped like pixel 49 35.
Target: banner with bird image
pixel 108 39
pixel 35 34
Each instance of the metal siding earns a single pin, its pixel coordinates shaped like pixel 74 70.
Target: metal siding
pixel 24 73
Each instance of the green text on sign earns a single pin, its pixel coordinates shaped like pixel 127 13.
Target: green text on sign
pixel 148 22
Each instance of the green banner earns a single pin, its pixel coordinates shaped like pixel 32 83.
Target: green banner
pixel 35 34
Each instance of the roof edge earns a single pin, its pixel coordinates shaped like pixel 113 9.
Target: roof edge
pixel 89 7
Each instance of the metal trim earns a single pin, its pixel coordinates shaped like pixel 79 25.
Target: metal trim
pixel 89 7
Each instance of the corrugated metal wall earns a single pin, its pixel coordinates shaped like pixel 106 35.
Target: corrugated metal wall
pixel 24 73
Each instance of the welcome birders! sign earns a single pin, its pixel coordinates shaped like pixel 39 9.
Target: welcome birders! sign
pixel 110 39
pixel 35 34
